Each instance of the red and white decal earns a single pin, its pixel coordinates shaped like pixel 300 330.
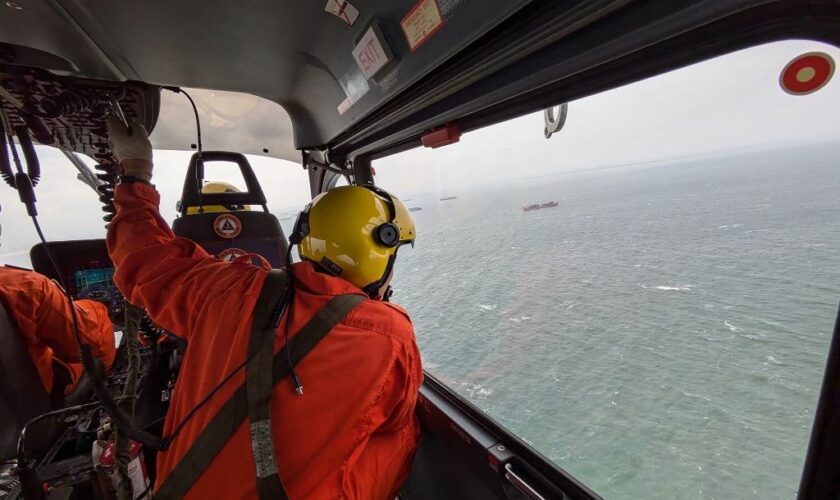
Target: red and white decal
pixel 231 254
pixel 421 22
pixel 227 226
pixel 344 106
pixel 807 73
pixel 372 53
pixel 343 10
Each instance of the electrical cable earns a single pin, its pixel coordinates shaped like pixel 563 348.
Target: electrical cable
pixel 206 398
pixel 286 305
pixel 6 160
pixel 33 166
pixel 5 163
pixel 199 172
pixel 239 367
pixel 290 299
pixel 106 173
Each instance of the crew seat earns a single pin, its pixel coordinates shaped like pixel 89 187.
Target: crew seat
pixel 232 233
pixel 23 397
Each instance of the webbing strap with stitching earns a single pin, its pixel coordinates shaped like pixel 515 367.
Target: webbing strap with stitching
pixel 235 410
pixel 259 384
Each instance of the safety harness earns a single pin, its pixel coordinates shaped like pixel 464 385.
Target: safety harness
pixel 252 400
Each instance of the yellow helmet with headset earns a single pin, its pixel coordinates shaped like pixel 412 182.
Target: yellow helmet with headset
pixel 216 187
pixel 354 232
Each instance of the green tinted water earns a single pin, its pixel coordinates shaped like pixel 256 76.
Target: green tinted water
pixel 660 334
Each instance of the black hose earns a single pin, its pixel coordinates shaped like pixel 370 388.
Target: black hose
pixel 5 161
pixel 199 172
pixel 33 166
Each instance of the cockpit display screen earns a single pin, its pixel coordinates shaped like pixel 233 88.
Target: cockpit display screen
pixel 97 284
pixel 86 269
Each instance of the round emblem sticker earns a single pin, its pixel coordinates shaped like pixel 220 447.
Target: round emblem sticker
pixel 227 226
pixel 231 254
pixel 807 73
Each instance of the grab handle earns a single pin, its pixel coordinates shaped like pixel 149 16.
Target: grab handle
pixel 192 196
pixel 520 484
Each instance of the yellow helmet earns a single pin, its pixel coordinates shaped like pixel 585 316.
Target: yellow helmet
pixel 216 187
pixel 354 232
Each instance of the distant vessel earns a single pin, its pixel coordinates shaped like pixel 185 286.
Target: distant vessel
pixel 415 209
pixel 537 206
pixel 448 198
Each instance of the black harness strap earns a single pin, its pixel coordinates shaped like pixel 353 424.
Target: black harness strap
pixel 259 384
pixel 239 407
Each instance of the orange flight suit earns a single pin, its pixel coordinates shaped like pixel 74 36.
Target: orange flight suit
pixel 42 314
pixel 351 435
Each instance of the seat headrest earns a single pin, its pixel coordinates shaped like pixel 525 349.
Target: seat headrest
pixel 230 234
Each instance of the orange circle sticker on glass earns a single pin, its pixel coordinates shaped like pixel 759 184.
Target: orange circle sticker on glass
pixel 227 226
pixel 807 73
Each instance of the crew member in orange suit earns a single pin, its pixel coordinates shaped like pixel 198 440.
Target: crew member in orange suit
pixel 42 314
pixel 353 432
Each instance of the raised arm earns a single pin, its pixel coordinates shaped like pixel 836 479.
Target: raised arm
pixel 173 278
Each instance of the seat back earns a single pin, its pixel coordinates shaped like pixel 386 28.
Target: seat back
pixel 22 395
pixel 229 234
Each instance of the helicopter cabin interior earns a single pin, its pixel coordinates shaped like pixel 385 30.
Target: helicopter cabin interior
pixel 345 83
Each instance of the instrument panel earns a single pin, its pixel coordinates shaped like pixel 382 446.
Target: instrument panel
pixel 86 271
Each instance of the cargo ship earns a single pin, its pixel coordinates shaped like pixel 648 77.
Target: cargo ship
pixel 537 206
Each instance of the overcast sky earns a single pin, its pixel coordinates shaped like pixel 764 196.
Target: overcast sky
pixel 730 103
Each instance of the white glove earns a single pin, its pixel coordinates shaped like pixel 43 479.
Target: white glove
pixel 131 147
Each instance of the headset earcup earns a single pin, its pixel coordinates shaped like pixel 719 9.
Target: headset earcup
pixel 388 235
pixel 301 227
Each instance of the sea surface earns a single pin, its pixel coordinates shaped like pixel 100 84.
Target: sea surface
pixel 662 333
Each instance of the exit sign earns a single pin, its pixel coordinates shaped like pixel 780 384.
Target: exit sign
pixel 372 52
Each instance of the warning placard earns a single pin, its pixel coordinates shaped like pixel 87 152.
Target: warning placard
pixel 421 22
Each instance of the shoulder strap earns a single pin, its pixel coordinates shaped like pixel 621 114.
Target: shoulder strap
pixel 234 412
pixel 259 385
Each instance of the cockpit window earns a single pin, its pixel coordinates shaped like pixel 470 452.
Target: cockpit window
pixel 647 297
pixel 230 121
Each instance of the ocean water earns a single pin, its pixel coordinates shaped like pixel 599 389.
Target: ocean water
pixel 660 334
